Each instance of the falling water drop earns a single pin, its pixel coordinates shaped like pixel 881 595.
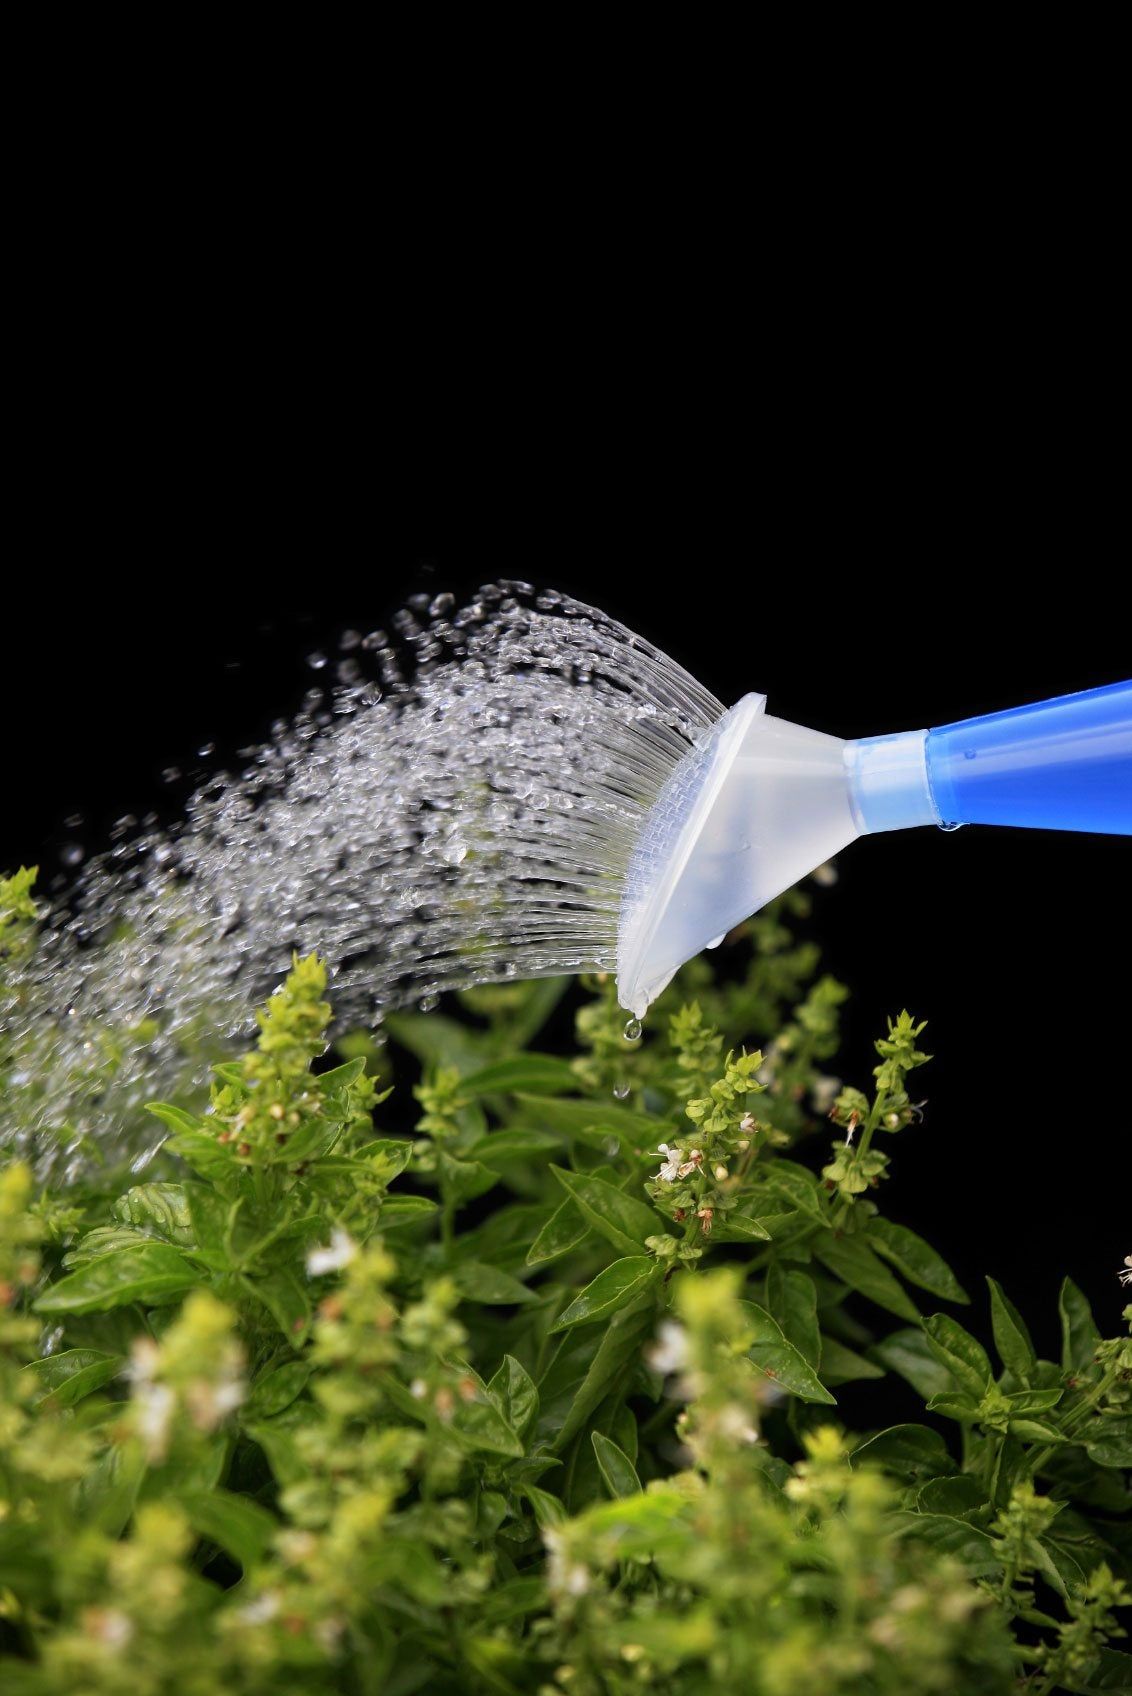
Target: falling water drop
pixel 621 1090
pixel 72 853
pixel 633 1030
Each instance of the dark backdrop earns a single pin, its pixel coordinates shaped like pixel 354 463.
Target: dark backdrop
pixel 870 567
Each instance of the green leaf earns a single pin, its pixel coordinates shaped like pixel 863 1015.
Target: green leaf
pixel 500 1149
pixel 739 1227
pixel 107 1493
pixel 399 1210
pixel 1034 1401
pixel 958 1351
pixel 852 1260
pixel 619 1475
pixel 480 1424
pixel 477 1281
pixel 565 1230
pixel 207 1157
pixel 465 1179
pixel 779 1360
pixel 389 1154
pixel 1011 1338
pixel 277 1440
pixel 793 1302
pixel 548 1510
pixel 437 1040
pixel 916 1260
pixel 594 1122
pixel 276 1390
pixel 514 1392
pixel 211 1216
pixel 907 1353
pixel 958 1496
pixel 840 1365
pixel 538 1074
pixel 160 1209
pixel 338 1080
pixel 955 1404
pixel 1110 1675
pixel 67 1377
pixel 176 1118
pixel 314 1138
pixel 610 1291
pixel 286 1300
pixel 152 1273
pixel 1108 1440
pixel 1035 1431
pixel 620 1218
pixel 911 1451
pixel 616 1355
pixel 1079 1334
pixel 947 1535
pixel 236 1524
pixel 794 1184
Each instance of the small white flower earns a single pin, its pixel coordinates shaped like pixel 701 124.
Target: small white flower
pixel 747 1124
pixel 734 1423
pixel 341 1251
pixel 673 1157
pixel 670 1351
pixel 1125 1276
pixel 564 1575
pixel 155 1404
pixel 261 1610
pixel 721 1174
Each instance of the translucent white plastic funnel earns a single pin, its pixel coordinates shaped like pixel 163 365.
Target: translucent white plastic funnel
pixel 740 820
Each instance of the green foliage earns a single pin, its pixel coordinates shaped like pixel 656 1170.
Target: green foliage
pixel 533 1387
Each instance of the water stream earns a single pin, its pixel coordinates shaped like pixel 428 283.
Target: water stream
pixel 458 808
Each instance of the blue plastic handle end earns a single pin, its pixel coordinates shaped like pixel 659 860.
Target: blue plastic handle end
pixel 1064 764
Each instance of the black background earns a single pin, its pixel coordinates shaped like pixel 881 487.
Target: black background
pixel 886 515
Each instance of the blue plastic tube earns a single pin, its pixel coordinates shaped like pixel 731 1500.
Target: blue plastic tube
pixel 1064 764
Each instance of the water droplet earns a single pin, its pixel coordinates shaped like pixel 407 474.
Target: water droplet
pixel 72 853
pixel 171 774
pixel 621 1091
pixel 316 661
pixel 441 605
pixel 349 640
pixel 429 1003
pixel 205 749
pixel 633 1030
pixel 454 853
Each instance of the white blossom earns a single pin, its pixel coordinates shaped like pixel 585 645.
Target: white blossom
pixel 733 1422
pixel 261 1610
pixel 154 1405
pixel 673 1159
pixel 341 1250
pixel 1125 1275
pixel 670 1351
pixel 564 1575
